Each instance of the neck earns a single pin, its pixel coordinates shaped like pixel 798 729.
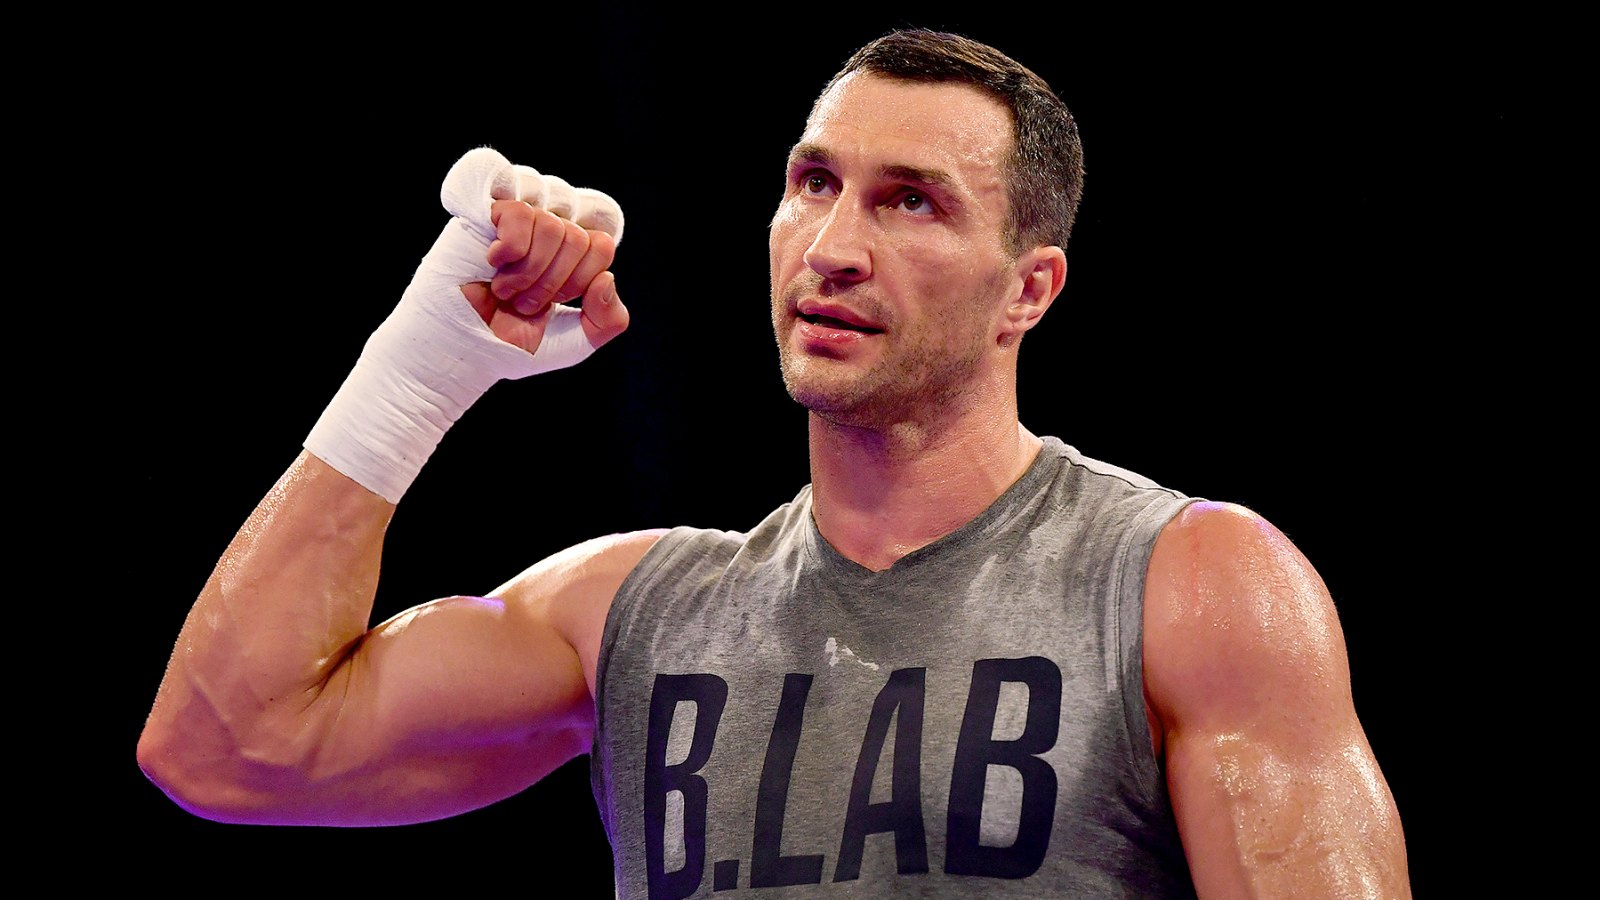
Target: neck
pixel 880 492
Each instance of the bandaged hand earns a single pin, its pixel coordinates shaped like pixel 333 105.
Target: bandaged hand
pixel 486 303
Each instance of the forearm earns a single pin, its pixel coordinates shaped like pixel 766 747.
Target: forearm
pixel 285 607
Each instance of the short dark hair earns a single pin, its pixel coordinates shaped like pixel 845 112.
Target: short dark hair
pixel 1044 173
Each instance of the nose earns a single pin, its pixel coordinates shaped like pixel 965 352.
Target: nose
pixel 841 251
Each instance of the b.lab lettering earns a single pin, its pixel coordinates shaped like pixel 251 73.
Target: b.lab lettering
pixel 892 736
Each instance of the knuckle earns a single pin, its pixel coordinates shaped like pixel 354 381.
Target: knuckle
pixel 510 213
pixel 576 236
pixel 603 246
pixel 545 220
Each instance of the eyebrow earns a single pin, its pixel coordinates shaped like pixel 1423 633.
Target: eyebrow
pixel 806 152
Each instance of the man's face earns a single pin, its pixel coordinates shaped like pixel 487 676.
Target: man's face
pixel 889 270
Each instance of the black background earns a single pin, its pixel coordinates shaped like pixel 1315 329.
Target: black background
pixel 1275 239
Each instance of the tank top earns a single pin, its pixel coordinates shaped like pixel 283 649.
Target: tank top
pixel 970 721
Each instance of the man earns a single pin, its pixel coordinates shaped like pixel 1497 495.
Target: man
pixel 965 659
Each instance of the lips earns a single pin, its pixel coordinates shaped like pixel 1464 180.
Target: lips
pixel 829 315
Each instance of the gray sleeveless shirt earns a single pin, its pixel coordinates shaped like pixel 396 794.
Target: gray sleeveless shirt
pixel 970 721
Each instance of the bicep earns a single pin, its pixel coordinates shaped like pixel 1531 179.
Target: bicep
pixel 1274 785
pixel 447 707
pixel 463 701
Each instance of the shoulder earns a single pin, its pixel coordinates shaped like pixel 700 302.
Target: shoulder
pixel 571 592
pixel 693 553
pixel 1093 468
pixel 1106 494
pixel 1233 612
pixel 1221 544
pixel 1215 556
pixel 582 567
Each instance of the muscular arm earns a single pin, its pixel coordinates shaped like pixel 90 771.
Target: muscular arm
pixel 279 706
pixel 1275 787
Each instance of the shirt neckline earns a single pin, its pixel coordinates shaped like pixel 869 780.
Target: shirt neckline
pixel 995 517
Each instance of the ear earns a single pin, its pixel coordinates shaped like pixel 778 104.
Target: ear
pixel 1041 273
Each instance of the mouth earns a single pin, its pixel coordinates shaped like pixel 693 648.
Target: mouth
pixel 825 315
pixel 838 323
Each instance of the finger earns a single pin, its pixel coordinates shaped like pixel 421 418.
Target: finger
pixel 604 316
pixel 513 221
pixel 516 276
pixel 546 289
pixel 598 258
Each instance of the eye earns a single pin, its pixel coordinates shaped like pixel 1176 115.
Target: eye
pixel 815 183
pixel 914 203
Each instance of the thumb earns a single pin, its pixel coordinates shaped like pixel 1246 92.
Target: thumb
pixel 604 316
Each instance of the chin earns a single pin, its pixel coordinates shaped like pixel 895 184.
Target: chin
pixel 854 402
pixel 821 394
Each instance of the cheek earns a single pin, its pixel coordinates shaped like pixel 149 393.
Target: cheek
pixel 792 230
pixel 785 223
pixel 939 266
pixel 949 253
pixel 786 212
pixel 933 247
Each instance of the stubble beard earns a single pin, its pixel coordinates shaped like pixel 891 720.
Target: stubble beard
pixel 915 378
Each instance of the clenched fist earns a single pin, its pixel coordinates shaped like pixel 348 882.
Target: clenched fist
pixel 541 261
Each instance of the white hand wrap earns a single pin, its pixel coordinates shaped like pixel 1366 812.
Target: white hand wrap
pixel 434 356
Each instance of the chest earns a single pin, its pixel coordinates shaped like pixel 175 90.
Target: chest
pixel 762 741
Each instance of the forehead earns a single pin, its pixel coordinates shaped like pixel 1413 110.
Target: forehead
pixel 946 126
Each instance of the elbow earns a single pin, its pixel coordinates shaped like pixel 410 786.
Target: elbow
pixel 163 760
pixel 242 761
pixel 203 783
